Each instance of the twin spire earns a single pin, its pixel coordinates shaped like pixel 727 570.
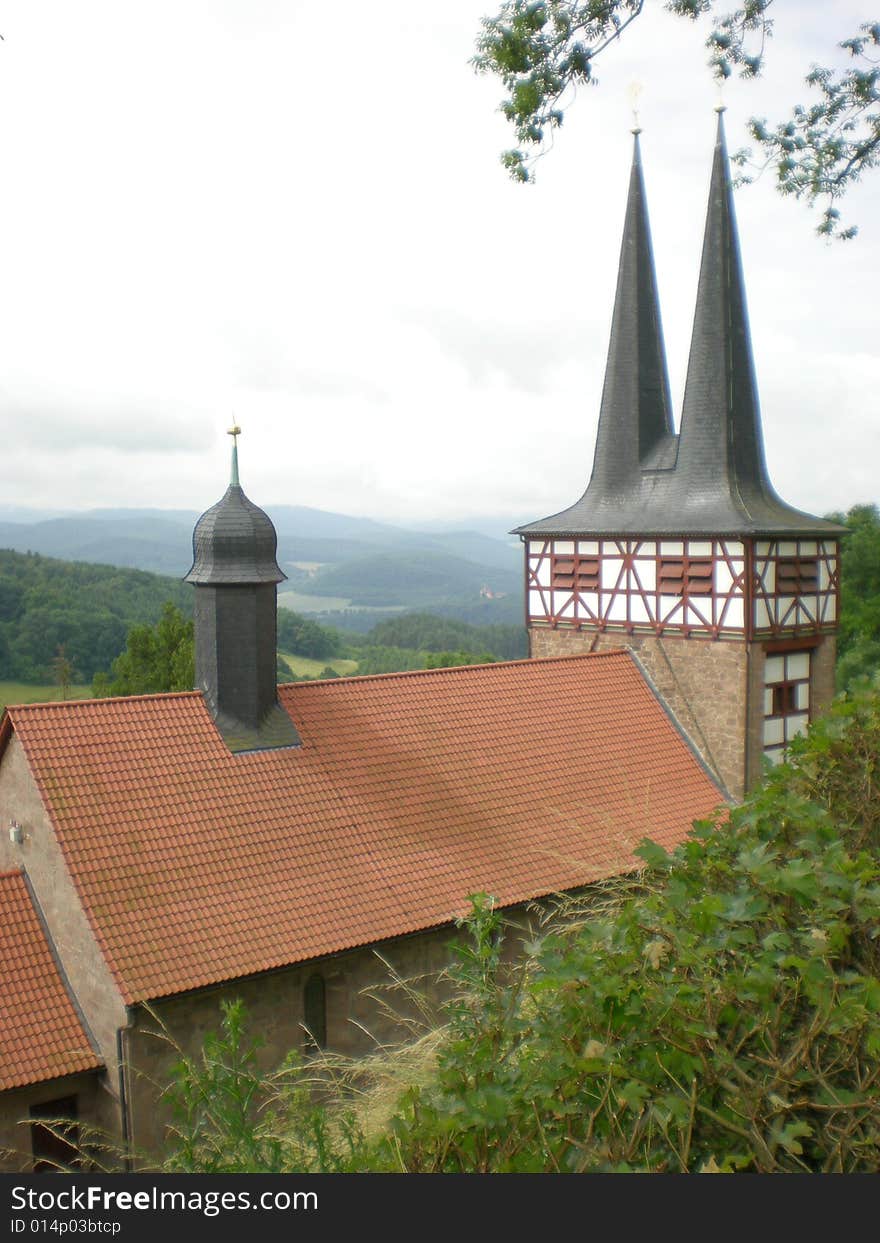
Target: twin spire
pixel 712 477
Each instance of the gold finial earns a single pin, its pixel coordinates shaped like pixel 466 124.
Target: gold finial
pixel 234 432
pixel 634 90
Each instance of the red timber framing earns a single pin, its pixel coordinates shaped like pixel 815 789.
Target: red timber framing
pixel 797 586
pixel 719 588
pixel 630 585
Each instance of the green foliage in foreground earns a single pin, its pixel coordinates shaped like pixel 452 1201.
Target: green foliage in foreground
pixel 719 1012
pixel 542 50
pixel 723 1014
pixel 223 1125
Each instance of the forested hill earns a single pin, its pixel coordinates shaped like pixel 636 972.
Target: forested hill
pixel 88 609
pixel 347 565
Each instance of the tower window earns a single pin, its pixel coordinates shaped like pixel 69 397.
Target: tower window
pixel 797 576
pixel 574 573
pixel 783 698
pixel 315 1011
pixel 786 700
pixel 685 576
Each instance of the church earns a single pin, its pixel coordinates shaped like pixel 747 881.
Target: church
pixel 285 845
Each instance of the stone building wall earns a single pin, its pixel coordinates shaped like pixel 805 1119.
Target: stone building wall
pixel 366 1009
pixel 16 1155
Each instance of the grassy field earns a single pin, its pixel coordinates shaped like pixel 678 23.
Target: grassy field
pixel 331 604
pixel 27 693
pixel 311 604
pixel 305 668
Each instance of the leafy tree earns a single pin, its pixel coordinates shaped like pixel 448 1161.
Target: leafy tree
pixel 156 658
pixel 858 648
pixel 62 671
pixel 540 49
pixel 87 608
pixel 303 637
pixel 375 659
pixel 450 660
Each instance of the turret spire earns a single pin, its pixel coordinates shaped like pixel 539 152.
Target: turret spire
pixel 712 477
pixel 635 418
pixel 235 574
pixel 721 451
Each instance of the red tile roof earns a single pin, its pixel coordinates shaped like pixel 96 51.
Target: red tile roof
pixel 410 792
pixel 41 1036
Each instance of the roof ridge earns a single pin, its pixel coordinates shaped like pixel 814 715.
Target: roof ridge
pixel 12 872
pixel 448 669
pixel 364 677
pixel 103 699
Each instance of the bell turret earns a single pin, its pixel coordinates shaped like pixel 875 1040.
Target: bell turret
pixel 235 574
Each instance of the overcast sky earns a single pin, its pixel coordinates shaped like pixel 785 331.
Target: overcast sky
pixel 295 212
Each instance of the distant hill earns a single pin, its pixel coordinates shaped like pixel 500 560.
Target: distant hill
pixel 88 609
pixel 357 561
pixel 141 542
pixel 410 579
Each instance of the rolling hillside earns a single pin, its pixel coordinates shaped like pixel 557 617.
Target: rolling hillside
pixel 354 562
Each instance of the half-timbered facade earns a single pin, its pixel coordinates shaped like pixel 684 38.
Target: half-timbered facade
pixel 680 541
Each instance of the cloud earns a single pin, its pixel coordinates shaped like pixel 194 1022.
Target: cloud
pixel 62 420
pixel 525 357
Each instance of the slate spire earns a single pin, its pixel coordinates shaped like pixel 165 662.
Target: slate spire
pixel 712 477
pixel 635 418
pixel 721 450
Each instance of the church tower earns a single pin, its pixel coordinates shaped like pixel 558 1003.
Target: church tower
pixel 680 549
pixel 235 575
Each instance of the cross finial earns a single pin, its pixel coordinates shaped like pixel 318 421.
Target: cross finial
pixel 234 432
pixel 634 90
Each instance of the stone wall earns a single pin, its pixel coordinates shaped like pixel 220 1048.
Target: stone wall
pixel 822 675
pixel 366 1008
pixel 16 1155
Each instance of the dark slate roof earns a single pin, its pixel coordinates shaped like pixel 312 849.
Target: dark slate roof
pixel 234 542
pixel 712 478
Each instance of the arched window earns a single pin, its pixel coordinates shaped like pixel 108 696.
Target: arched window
pixel 315 1010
